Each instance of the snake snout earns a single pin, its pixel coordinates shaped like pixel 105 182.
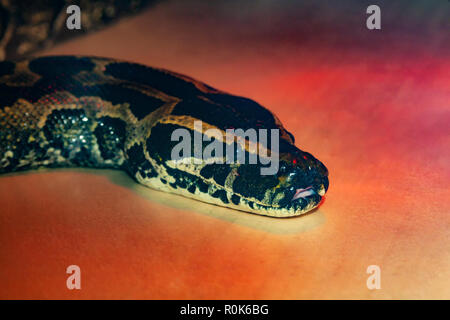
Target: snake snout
pixel 308 177
pixel 322 187
pixel 321 182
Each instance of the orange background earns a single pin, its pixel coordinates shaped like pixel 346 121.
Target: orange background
pixel 372 105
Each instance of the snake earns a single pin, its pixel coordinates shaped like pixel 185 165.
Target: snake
pixel 82 111
pixel 87 111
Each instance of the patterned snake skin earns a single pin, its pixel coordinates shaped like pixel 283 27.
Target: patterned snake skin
pixel 70 111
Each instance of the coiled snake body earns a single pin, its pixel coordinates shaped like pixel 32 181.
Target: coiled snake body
pixel 66 111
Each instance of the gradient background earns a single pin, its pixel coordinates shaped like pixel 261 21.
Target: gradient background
pixel 372 105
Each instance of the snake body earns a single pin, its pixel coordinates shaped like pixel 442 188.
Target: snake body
pixel 72 111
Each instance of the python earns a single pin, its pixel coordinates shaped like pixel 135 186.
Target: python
pixel 75 111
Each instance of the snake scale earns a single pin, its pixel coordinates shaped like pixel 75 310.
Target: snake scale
pixel 75 111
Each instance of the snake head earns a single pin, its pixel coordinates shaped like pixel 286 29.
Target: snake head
pixel 298 186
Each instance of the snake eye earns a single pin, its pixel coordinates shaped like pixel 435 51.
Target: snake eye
pixel 282 169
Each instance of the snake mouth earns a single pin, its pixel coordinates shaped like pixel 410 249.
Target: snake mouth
pixel 303 193
pixel 307 198
pixel 297 203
